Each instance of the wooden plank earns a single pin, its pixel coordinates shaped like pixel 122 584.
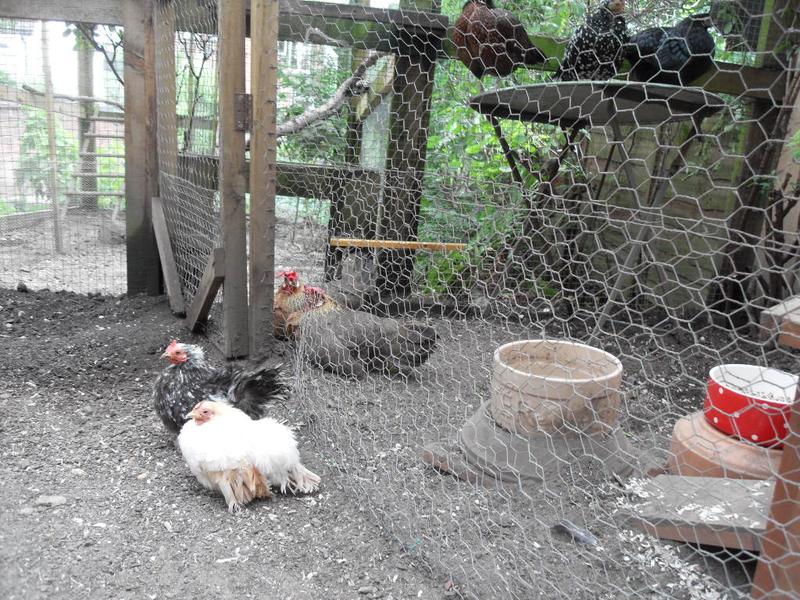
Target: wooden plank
pixel 210 282
pixel 790 331
pixel 713 511
pixel 233 178
pixel 141 151
pixel 294 179
pixel 106 12
pixel 264 174
pixel 778 571
pixel 52 180
pixel 168 266
pixel 166 105
pixel 397 245
pixel 772 317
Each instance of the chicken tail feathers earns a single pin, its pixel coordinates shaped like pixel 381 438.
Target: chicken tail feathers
pixel 251 391
pixel 302 481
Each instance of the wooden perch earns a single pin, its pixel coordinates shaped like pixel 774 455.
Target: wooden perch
pixel 397 245
pixel 28 88
pixel 355 85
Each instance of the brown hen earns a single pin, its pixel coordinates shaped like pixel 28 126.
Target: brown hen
pixel 492 41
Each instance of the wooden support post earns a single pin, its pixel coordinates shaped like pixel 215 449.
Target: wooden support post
pixel 87 144
pixel 264 170
pixel 51 143
pixel 171 280
pixel 233 178
pixel 165 82
pixel 778 571
pixel 141 159
pixel 405 162
pixel 213 276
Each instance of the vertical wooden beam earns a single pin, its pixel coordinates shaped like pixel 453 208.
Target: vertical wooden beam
pixel 88 145
pixel 233 178
pixel 165 83
pixel 51 142
pixel 340 223
pixel 405 161
pixel 141 160
pixel 729 296
pixel 778 571
pixel 263 169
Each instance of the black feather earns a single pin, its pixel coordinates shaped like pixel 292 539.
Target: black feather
pixel 595 49
pixel 180 387
pixel 674 55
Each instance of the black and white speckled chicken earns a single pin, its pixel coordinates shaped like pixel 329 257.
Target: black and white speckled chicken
pixel 191 379
pixel 492 41
pixel 595 49
pixel 675 55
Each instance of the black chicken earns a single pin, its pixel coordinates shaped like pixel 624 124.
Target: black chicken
pixel 190 379
pixel 492 41
pixel 675 55
pixel 595 49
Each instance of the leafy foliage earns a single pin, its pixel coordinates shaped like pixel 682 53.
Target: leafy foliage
pixel 34 164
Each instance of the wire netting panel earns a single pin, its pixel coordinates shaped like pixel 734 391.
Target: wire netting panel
pixel 62 173
pixel 518 288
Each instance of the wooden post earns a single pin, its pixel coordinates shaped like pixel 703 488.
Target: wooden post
pixel 352 156
pixel 88 145
pixel 233 177
pixel 759 159
pixel 263 170
pixel 51 143
pixel 405 161
pixel 778 571
pixel 141 154
pixel 164 23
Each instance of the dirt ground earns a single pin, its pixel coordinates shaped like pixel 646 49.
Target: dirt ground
pixel 96 502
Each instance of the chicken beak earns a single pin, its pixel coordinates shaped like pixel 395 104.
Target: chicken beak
pixel 191 415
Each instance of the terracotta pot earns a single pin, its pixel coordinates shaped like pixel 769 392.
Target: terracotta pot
pixel 699 450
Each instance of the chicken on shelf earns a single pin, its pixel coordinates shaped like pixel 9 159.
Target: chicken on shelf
pixel 190 379
pixel 345 341
pixel 595 49
pixel 242 458
pixel 674 55
pixel 492 41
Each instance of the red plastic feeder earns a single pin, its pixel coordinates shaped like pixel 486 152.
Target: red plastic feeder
pixel 750 402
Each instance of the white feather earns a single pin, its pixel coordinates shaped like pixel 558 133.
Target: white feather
pixel 232 440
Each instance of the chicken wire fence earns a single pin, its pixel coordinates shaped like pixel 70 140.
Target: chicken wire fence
pixel 649 224
pixel 62 204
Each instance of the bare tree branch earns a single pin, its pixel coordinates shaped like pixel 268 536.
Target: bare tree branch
pixel 88 31
pixel 28 88
pixel 355 85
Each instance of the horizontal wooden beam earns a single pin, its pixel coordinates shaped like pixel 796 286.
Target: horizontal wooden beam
pixel 210 282
pixel 397 245
pixel 104 12
pixel 299 180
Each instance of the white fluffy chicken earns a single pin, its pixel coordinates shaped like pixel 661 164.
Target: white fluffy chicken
pixel 231 453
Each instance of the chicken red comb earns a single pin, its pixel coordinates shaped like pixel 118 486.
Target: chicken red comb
pixel 173 345
pixel 290 275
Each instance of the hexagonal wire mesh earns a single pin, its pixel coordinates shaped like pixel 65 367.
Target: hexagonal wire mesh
pixel 636 227
pixel 62 174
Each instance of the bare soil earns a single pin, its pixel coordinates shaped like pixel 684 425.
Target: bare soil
pixel 128 520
